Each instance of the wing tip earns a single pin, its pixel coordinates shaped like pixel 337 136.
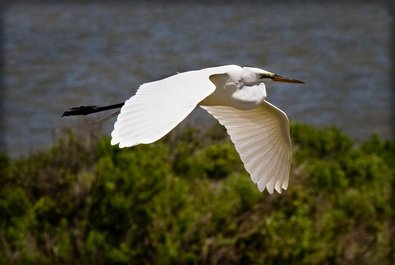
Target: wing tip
pixel 121 143
pixel 278 186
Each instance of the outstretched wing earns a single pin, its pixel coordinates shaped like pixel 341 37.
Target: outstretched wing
pixel 157 107
pixel 261 137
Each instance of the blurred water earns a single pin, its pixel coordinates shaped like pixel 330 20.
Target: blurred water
pixel 58 56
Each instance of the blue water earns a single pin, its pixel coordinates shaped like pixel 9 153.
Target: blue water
pixel 59 56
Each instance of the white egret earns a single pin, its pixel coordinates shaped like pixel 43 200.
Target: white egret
pixel 234 95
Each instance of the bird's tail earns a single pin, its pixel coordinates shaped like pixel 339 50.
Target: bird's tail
pixel 85 110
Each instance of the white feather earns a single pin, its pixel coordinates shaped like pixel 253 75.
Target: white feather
pixel 233 95
pixel 159 106
pixel 261 137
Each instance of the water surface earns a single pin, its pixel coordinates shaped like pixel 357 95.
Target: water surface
pixel 58 56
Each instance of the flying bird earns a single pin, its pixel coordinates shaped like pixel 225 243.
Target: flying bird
pixel 234 95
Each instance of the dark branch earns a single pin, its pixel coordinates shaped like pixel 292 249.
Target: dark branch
pixel 85 110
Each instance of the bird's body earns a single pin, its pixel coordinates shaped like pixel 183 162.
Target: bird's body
pixel 232 91
pixel 232 94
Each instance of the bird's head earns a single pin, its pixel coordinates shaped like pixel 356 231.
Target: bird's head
pixel 252 74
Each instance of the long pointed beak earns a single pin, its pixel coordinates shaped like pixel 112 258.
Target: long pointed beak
pixel 279 78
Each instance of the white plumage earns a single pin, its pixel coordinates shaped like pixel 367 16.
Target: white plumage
pixel 261 137
pixel 235 96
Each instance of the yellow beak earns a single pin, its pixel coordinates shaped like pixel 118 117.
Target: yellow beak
pixel 279 78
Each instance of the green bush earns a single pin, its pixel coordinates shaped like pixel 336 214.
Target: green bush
pixel 187 199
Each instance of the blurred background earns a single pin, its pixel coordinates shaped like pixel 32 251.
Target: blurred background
pixel 61 56
pixel 68 197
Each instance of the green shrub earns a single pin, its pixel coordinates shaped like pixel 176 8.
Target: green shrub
pixel 187 199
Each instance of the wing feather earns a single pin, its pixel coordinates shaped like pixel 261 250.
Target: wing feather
pixel 157 107
pixel 262 139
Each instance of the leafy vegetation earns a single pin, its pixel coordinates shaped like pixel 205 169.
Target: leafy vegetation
pixel 187 200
